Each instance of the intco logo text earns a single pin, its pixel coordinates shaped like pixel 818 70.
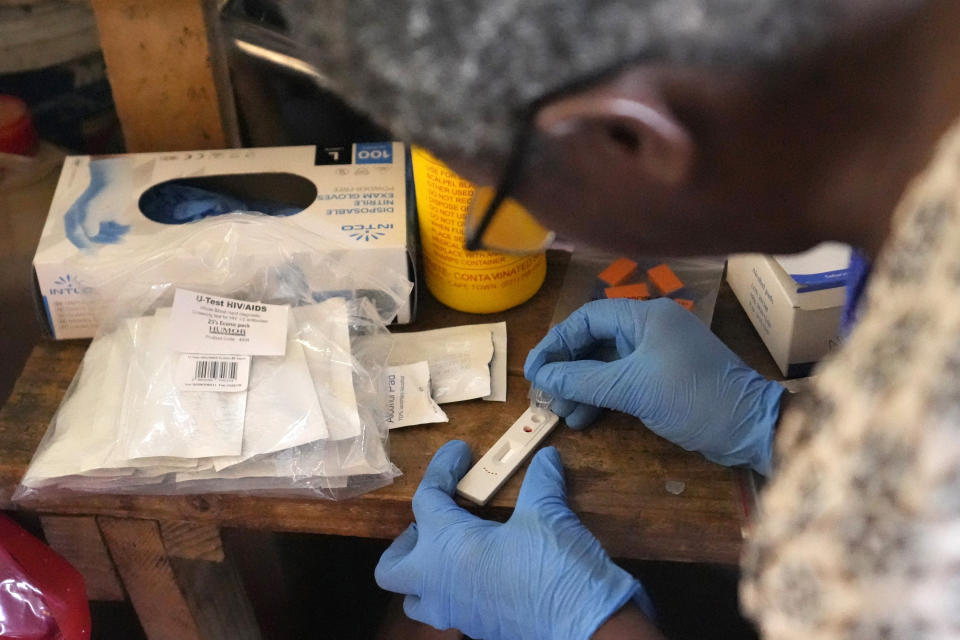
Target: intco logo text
pixel 67 285
pixel 367 232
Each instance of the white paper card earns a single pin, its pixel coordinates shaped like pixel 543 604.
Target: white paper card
pixel 210 324
pixel 211 372
pixel 408 396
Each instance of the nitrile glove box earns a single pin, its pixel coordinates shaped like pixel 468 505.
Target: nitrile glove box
pixel 794 302
pixel 359 197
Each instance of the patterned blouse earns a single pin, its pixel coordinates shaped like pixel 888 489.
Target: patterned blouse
pixel 860 530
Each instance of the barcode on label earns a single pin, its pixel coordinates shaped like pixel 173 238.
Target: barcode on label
pixel 208 372
pixel 215 370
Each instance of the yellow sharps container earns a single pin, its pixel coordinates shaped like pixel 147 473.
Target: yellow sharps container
pixel 471 281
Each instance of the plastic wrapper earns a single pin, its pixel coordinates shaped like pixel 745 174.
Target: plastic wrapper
pixel 146 415
pixel 42 597
pixel 700 276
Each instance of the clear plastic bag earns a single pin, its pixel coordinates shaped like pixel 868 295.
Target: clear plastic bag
pixel 701 277
pixel 311 420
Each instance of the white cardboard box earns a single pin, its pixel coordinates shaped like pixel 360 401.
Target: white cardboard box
pixel 799 322
pixel 357 196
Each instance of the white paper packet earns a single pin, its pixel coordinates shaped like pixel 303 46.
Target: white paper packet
pixel 408 396
pixel 282 406
pixel 325 335
pixel 76 428
pixel 498 364
pixel 159 420
pixel 458 357
pixel 102 450
pixel 264 467
pixel 354 457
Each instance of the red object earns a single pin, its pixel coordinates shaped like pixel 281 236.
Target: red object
pixel 618 271
pixel 664 279
pixel 637 291
pixel 17 134
pixel 42 597
pixel 683 302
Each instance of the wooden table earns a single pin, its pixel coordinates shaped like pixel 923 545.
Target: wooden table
pixel 616 472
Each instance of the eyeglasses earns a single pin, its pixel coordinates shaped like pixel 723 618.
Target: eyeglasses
pixel 497 222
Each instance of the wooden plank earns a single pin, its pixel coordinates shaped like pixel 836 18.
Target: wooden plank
pixel 192 540
pixel 138 552
pixel 168 73
pixel 77 539
pixel 217 599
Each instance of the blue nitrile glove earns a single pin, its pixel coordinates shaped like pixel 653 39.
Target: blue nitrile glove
pixel 670 371
pixel 539 575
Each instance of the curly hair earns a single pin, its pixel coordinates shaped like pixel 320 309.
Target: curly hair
pixel 455 75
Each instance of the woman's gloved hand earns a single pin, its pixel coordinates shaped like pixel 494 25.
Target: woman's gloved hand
pixel 668 370
pixel 539 575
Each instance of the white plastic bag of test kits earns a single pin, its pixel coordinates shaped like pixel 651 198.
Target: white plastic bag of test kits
pixel 236 356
